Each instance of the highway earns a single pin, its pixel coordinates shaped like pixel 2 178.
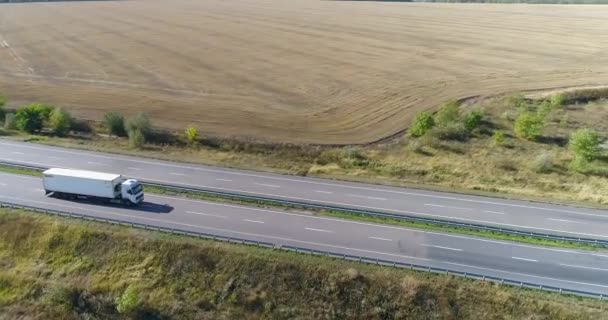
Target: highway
pixel 512 214
pixel 568 269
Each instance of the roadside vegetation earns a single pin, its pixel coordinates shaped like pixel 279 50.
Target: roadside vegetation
pixel 56 268
pixel 547 147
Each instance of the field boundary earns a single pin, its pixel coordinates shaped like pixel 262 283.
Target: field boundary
pixel 360 259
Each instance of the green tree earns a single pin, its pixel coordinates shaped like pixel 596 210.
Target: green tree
pixel 129 300
pixel 60 121
pixel 557 100
pixel 115 124
pixel 448 113
pixel 136 139
pixel 191 135
pixel 528 126
pixel 473 120
pixel 585 143
pixel 31 118
pixel 422 123
pixel 140 122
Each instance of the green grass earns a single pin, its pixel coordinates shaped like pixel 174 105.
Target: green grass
pixel 349 216
pixel 17 170
pixel 57 268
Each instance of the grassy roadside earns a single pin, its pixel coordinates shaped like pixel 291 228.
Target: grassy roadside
pixel 57 268
pixel 349 216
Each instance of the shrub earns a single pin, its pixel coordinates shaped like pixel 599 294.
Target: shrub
pixel 544 108
pixel 448 113
pixel 579 164
pixel 520 102
pixel 60 121
pixel 543 163
pixel 557 100
pixel 473 120
pixel 115 124
pixel 191 135
pixel 140 122
pixel 498 137
pixel 136 139
pixel 452 131
pixel 2 103
pixel 10 121
pixel 31 118
pixel 585 143
pixel 129 300
pixel 528 126
pixel 422 123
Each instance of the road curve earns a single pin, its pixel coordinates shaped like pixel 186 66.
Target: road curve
pixel 568 269
pixel 512 214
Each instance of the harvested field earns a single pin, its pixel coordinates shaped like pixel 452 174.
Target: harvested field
pixel 328 72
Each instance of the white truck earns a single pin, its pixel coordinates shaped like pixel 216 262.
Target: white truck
pixel 81 184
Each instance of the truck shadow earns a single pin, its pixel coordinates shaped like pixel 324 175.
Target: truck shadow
pixel 153 207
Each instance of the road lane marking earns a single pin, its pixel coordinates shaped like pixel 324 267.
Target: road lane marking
pixel 563 220
pixel 16 152
pixel 365 197
pixel 495 212
pixel 37 190
pixel 177 174
pixel 440 247
pixel 319 244
pixel 449 207
pixel 133 168
pixel 325 192
pixel 254 221
pixel 54 158
pixel 226 180
pixel 97 163
pixel 582 267
pixel 291 180
pixel 319 230
pixel 381 239
pixel 267 185
pixel 524 259
pixel 378 226
pixel 207 214
pixel 2 184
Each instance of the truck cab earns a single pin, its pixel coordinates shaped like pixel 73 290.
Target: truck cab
pixel 132 191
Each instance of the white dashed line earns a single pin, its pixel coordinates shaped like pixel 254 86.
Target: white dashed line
pixel 177 174
pixel 524 259
pixel 254 221
pixel 16 152
pixel 381 239
pixel 268 185
pixel 226 180
pixel 206 214
pixel 97 163
pixel 365 197
pixel 325 192
pixel 133 168
pixel 3 184
pixel 583 267
pixel 319 230
pixel 440 247
pixel 569 221
pixel 55 158
pixel 495 212
pixel 450 207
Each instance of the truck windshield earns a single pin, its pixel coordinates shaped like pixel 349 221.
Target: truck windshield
pixel 137 188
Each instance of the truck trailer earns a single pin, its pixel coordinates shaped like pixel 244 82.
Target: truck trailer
pixel 82 184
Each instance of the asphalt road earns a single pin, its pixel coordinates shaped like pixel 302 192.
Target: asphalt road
pixel 569 269
pixel 512 214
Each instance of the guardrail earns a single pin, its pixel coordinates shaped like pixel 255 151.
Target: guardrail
pixel 314 206
pixel 361 259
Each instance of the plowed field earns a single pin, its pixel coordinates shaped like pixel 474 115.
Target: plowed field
pixel 328 72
